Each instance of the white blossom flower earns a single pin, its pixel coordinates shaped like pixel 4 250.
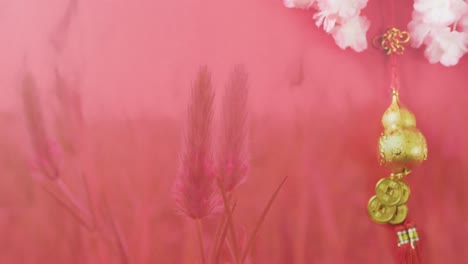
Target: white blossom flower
pixel 352 33
pixel 464 22
pixel 326 19
pixel 344 9
pixel 339 18
pixel 440 12
pixel 304 4
pixel 446 46
pixel 419 32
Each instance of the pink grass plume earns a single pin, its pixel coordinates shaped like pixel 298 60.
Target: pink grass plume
pixel 35 119
pixel 50 153
pixel 69 120
pixel 195 189
pixel 59 37
pixel 233 152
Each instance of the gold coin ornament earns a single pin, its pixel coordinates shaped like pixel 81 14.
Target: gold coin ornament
pixel 389 203
pixel 388 191
pixel 402 147
pixel 405 193
pixel 379 212
pixel 400 215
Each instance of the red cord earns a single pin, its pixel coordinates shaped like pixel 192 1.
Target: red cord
pixel 395 80
pixel 409 244
pixel 392 12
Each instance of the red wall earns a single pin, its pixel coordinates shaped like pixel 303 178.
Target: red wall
pixel 315 116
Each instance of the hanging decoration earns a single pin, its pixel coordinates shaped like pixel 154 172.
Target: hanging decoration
pixel 402 147
pixel 442 26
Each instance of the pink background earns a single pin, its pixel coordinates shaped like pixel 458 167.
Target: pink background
pixel 315 116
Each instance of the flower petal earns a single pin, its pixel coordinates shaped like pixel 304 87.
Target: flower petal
pixel 446 47
pixel 440 12
pixel 345 9
pixel 304 4
pixel 352 34
pixel 419 32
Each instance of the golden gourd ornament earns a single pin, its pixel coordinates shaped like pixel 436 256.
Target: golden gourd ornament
pixel 402 146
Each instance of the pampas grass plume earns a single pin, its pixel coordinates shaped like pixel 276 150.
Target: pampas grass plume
pixel 195 189
pixel 233 154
